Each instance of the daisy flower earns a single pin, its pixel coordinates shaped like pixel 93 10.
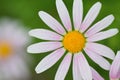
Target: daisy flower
pixel 64 38
pixel 12 42
pixel 115 68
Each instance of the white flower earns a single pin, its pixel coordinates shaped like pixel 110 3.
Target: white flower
pixel 12 43
pixel 74 41
pixel 115 68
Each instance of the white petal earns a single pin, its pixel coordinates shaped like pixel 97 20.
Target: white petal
pixel 64 67
pixel 51 22
pixel 104 23
pixel 77 13
pixel 84 67
pixel 64 15
pixel 43 47
pixel 102 35
pixel 102 62
pixel 115 67
pixel 76 70
pixel 96 75
pixel 45 34
pixel 91 16
pixel 49 60
pixel 101 50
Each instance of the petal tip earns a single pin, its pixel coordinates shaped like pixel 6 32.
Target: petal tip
pixel 28 50
pixel 30 32
pixel 98 4
pixel 112 16
pixel 116 30
pixel 37 70
pixel 40 13
pixel 118 52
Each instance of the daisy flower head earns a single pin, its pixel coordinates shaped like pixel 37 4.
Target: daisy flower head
pixel 115 68
pixel 12 42
pixel 64 38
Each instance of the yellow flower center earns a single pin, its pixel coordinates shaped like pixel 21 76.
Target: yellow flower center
pixel 74 41
pixel 5 49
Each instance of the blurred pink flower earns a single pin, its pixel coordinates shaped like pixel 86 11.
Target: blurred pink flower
pixel 13 40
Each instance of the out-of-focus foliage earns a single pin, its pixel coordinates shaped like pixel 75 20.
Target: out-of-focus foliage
pixel 27 12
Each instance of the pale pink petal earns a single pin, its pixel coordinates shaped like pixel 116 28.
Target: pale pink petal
pixel 17 32
pixel 115 67
pixel 5 73
pixel 49 60
pixel 91 16
pixel 15 69
pixel 51 22
pixel 64 15
pixel 76 70
pixel 43 47
pixel 96 75
pixel 77 13
pixel 84 67
pixel 114 79
pixel 102 62
pixel 64 67
pixel 18 67
pixel 45 34
pixel 104 23
pixel 102 35
pixel 101 50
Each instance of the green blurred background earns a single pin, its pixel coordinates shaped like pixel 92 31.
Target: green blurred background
pixel 27 12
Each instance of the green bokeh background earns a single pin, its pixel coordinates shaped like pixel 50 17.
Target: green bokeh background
pixel 27 12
